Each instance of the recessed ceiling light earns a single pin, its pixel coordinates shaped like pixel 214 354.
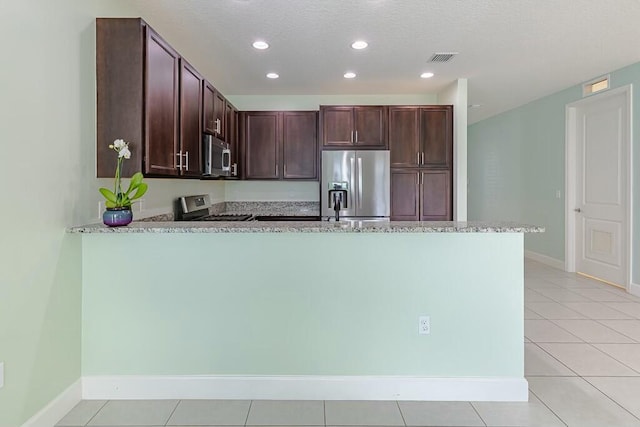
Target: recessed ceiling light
pixel 272 75
pixel 349 75
pixel 359 44
pixel 426 75
pixel 259 44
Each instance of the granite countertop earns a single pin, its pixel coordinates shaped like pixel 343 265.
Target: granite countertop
pixel 313 227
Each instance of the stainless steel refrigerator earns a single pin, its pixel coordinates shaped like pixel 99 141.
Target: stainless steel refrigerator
pixel 358 182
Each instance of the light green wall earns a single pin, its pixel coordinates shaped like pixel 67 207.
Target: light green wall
pixel 47 105
pixel 517 163
pixel 303 304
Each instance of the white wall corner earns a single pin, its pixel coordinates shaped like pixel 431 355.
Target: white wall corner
pixel 634 289
pixel 305 388
pixel 456 94
pixel 57 408
pixel 544 259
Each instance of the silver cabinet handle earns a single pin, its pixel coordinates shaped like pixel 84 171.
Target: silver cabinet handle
pixel 422 161
pixel 421 178
pixel 218 126
pixel 418 157
pixel 359 182
pixel 234 169
pixel 351 137
pixel 276 170
pixel 356 137
pixel 186 156
pixel 284 175
pixel 577 210
pixel 179 165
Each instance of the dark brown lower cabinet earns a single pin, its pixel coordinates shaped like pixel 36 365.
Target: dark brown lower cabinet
pixel 421 195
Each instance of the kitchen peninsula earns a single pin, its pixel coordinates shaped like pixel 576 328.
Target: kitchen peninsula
pixel 303 310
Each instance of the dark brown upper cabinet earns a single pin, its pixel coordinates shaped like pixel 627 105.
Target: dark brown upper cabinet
pixel 421 136
pixel 137 75
pixel 300 145
pixel 150 97
pixel 215 109
pixel 231 127
pixel 161 115
pixel 189 154
pixel 280 145
pixel 354 126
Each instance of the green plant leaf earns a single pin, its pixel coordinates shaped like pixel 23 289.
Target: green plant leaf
pixel 110 204
pixel 140 190
pixel 136 180
pixel 109 195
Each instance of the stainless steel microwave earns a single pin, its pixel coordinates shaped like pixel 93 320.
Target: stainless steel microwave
pixel 217 157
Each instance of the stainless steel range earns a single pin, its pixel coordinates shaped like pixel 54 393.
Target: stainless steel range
pixel 196 208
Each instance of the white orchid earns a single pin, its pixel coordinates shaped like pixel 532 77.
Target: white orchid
pixel 124 152
pixel 118 198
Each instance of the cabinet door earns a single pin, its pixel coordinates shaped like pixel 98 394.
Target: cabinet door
pixel 208 120
pixel 404 136
pixel 436 195
pixel 405 195
pixel 190 120
pixel 370 127
pixel 262 150
pixel 231 127
pixel 161 136
pixel 219 112
pixel 300 145
pixel 337 126
pixel 436 135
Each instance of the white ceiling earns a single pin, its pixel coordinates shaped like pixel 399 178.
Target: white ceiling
pixel 511 51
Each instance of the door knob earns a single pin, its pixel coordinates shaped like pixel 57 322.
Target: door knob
pixel 577 210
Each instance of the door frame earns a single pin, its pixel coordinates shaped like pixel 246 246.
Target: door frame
pixel 570 179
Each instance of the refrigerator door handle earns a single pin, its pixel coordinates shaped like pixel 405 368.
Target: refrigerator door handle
pixel 352 183
pixel 359 182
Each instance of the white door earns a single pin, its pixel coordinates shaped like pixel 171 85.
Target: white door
pixel 602 135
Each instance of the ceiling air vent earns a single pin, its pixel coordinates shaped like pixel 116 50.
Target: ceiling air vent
pixel 442 56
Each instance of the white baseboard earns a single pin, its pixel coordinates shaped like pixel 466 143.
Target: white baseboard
pixel 305 388
pixel 57 408
pixel 544 259
pixel 634 289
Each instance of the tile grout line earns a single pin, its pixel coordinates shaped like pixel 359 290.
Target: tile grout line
pixel 478 413
pixel 401 414
pixel 609 397
pixel 247 417
pixel 615 330
pixel 556 359
pixel 172 412
pixel 549 408
pixel 324 412
pixel 97 412
pixel 619 361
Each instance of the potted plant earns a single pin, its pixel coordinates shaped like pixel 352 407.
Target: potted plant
pixel 118 202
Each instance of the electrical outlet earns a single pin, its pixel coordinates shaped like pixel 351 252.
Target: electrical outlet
pixel 1 374
pixel 424 325
pixel 558 194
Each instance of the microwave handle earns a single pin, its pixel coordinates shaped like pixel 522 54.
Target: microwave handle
pixel 226 154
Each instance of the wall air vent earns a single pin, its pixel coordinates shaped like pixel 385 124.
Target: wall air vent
pixel 442 56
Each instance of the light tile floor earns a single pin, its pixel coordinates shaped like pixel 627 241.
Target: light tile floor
pixel 582 361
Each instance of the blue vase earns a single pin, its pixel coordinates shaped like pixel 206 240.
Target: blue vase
pixel 117 217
